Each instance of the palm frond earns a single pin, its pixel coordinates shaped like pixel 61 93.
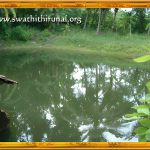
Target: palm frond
pixel 13 11
pixel 6 12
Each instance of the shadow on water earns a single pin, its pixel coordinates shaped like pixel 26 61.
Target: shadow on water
pixel 62 101
pixel 5 135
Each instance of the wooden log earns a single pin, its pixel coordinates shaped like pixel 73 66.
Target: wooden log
pixel 3 79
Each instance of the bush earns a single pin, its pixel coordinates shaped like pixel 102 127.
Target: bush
pixel 46 33
pixel 17 33
pixel 5 30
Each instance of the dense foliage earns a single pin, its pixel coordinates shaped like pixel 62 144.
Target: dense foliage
pixel 143 112
pixel 111 20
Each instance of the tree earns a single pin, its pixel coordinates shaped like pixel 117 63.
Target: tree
pixel 98 28
pixel 140 20
pixel 122 20
pixel 131 22
pixel 86 17
pixel 148 24
pixel 105 12
pixel 147 9
pixel 95 11
pixel 116 10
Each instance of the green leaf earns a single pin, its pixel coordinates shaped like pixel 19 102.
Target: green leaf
pixel 148 134
pixel 141 106
pixel 51 9
pixel 147 26
pixel 147 96
pixel 148 86
pixel 146 101
pixel 142 59
pixel 147 19
pixel 57 15
pixel 145 111
pixel 62 84
pixel 136 114
pixel 141 130
pixel 145 122
pixel 132 118
pixel 36 9
pixel 142 138
pixel 51 14
pixel 58 9
pixel 146 48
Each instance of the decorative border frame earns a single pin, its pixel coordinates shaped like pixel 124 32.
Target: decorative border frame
pixel 77 4
pixel 74 145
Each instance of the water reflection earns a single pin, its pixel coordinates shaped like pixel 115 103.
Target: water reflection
pixel 62 102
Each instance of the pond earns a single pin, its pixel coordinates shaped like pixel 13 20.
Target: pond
pixel 60 101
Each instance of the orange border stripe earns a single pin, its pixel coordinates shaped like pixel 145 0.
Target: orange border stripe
pixel 70 4
pixel 75 145
pixel 75 4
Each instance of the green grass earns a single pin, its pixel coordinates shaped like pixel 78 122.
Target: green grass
pixel 85 45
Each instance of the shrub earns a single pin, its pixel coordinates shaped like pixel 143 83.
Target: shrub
pixel 46 33
pixel 18 33
pixel 5 30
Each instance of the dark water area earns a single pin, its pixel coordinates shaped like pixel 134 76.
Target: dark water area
pixel 59 101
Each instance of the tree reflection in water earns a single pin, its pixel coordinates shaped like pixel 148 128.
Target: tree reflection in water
pixel 65 101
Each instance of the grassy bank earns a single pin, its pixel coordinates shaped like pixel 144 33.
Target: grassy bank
pixel 83 45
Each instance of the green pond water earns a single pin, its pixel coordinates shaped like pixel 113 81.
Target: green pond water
pixel 59 101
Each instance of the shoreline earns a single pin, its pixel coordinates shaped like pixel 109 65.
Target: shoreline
pixel 75 47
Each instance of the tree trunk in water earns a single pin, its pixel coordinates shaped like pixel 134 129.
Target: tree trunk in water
pixel 130 22
pixel 94 16
pixel 98 28
pixel 86 17
pixel 124 26
pixel 113 22
pixel 85 76
pixel 96 83
pixel 145 84
pixel 111 78
pixel 149 30
pixel 4 120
